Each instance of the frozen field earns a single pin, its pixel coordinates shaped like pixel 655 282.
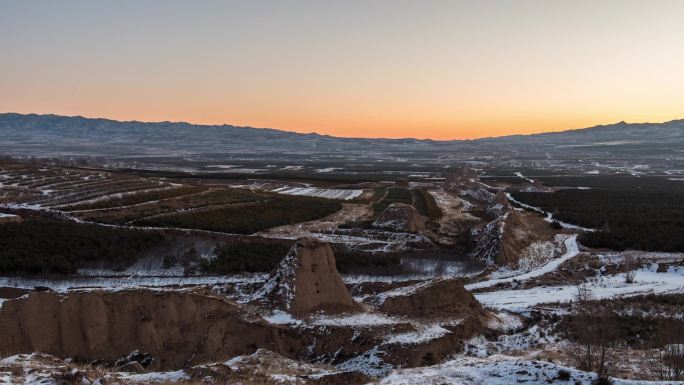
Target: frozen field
pixel 648 281
pixel 320 192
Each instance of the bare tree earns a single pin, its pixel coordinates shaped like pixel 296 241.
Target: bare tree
pixel 629 268
pixel 594 330
pixel 583 296
pixel 666 361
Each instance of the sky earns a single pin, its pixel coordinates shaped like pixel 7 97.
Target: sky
pixel 369 68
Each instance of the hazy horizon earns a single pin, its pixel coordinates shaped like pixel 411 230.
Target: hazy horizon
pixel 428 70
pixel 319 133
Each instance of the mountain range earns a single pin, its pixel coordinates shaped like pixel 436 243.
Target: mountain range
pixel 54 135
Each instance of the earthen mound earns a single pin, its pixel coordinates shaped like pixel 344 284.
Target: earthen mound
pixel 501 199
pixel 400 217
pixel 306 281
pixel 441 298
pixel 175 328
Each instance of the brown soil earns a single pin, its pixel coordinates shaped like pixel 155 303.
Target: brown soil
pixel 175 328
pixel 438 349
pixel 521 229
pixel 12 292
pixel 442 298
pixel 10 219
pixel 501 199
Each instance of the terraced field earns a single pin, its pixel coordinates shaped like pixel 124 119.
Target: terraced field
pixel 125 199
pixel 24 184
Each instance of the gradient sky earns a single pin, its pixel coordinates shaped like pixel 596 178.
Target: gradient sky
pixel 370 68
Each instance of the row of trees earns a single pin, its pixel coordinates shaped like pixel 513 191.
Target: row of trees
pixel 250 218
pixel 52 246
pixel 249 257
pixel 626 219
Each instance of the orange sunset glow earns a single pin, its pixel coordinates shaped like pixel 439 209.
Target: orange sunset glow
pixel 440 70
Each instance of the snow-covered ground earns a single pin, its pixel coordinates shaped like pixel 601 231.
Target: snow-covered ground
pixel 328 169
pixel 320 192
pixel 494 370
pixel 422 333
pixel 520 175
pixel 647 281
pixel 121 283
pixel 358 319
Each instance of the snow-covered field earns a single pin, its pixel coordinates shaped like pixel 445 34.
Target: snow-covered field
pixel 494 370
pixel 647 281
pixel 320 192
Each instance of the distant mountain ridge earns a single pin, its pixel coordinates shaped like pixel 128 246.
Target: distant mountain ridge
pixel 11 119
pixel 30 134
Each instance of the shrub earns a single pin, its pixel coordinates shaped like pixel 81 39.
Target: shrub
pixel 602 381
pixel 360 262
pixel 429 359
pixel 394 195
pixel 246 257
pixel 563 374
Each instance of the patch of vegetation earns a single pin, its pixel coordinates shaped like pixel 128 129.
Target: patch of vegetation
pixel 563 375
pixel 359 262
pixel 602 381
pixel 643 219
pixel 378 194
pixel 249 257
pixel 320 180
pixel 249 218
pixel 630 330
pixel 51 246
pixel 620 182
pixel 394 195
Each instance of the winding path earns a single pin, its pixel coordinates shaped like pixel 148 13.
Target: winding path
pixel 571 250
